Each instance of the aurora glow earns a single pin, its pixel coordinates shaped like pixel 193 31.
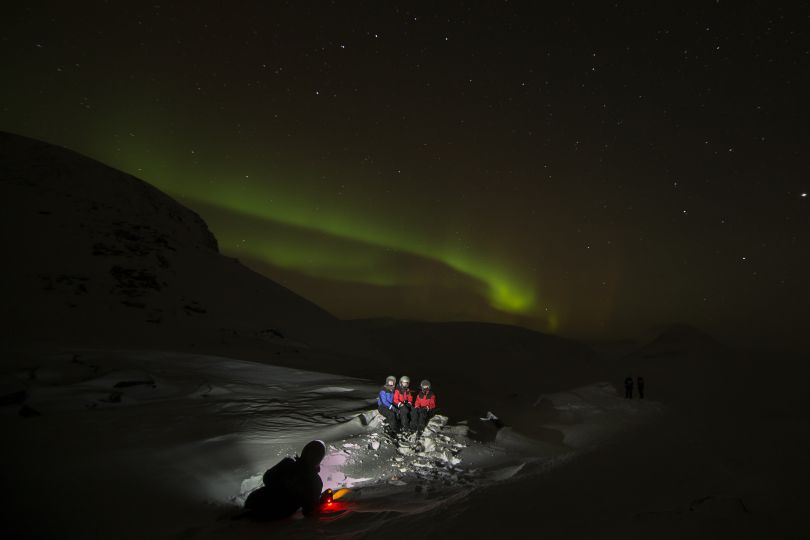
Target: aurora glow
pixel 504 291
pixel 590 170
pixel 359 235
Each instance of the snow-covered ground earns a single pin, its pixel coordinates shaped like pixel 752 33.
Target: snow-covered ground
pixel 184 438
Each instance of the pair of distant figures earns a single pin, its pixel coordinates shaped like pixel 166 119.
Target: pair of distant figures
pixel 628 387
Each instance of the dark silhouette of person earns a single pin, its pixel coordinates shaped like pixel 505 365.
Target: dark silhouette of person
pixel 385 403
pixel 628 388
pixel 291 484
pixel 640 386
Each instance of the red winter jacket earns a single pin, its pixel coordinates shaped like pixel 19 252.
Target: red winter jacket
pixel 403 395
pixel 426 400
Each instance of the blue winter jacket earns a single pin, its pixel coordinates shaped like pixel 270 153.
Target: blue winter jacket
pixel 386 398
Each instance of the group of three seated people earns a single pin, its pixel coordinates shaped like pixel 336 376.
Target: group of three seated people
pixel 403 412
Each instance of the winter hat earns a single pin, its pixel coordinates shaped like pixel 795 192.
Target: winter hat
pixel 313 453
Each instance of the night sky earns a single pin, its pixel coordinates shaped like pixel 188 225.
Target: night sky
pixel 589 169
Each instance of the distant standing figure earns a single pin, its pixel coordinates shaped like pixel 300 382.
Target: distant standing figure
pixel 628 388
pixel 424 406
pixel 385 402
pixel 640 385
pixel 403 401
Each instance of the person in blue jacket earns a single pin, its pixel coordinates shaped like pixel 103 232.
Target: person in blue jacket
pixel 385 403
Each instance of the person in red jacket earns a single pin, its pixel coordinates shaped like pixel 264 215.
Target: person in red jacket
pixel 403 401
pixel 424 406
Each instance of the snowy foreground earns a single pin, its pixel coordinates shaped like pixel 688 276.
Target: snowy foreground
pixel 169 445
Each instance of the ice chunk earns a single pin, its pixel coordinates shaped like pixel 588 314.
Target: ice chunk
pixel 437 422
pixel 351 482
pixel 249 484
pixel 372 419
pixel 331 390
pixel 458 431
pixel 506 472
pixel 489 416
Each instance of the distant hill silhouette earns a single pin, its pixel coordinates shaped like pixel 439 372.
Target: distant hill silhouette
pixel 94 255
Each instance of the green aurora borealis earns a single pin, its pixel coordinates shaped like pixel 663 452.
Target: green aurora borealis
pixel 351 243
pixel 502 288
pixel 588 170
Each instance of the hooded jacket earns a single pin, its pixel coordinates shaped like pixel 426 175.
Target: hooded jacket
pixel 291 484
pixel 426 400
pixel 288 486
pixel 403 395
pixel 385 399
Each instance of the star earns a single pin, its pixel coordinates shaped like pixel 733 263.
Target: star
pixel 472 144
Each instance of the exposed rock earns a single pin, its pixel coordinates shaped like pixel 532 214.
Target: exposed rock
pixel 12 397
pixel 27 411
pixel 127 384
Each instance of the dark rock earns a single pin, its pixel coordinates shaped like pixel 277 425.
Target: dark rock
pixel 195 307
pixel 29 412
pixel 127 384
pixel 123 234
pixel 106 250
pixel 268 332
pixel 114 397
pixel 77 360
pixel 13 398
pixel 134 279
pixel 719 505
